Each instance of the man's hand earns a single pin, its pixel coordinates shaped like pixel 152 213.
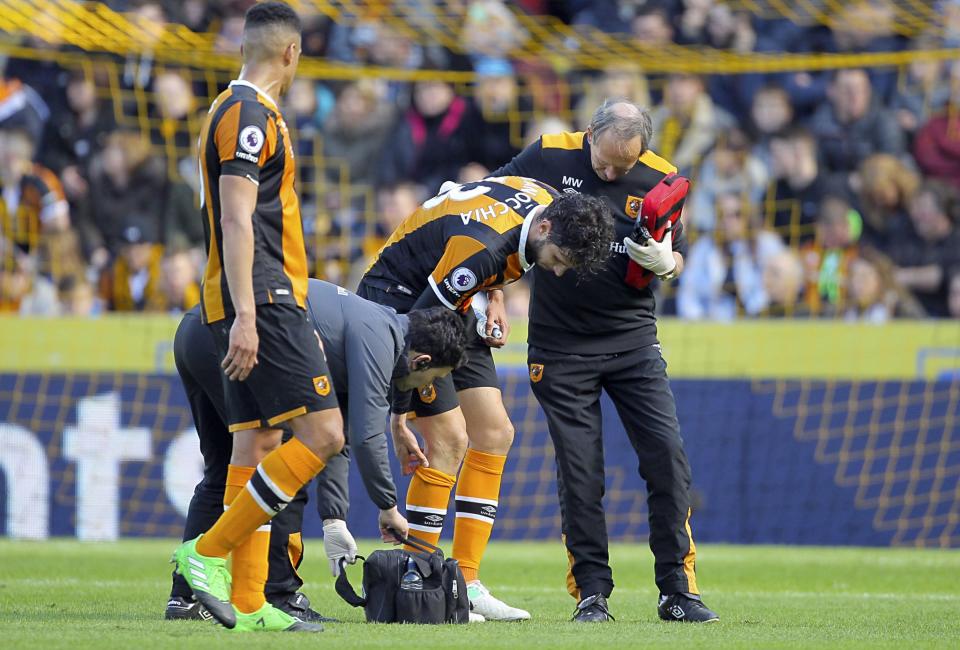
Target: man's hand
pixel 405 445
pixel 392 520
pixel 338 543
pixel 496 317
pixel 242 353
pixel 654 256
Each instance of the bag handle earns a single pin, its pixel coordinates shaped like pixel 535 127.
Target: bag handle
pixel 416 542
pixel 343 587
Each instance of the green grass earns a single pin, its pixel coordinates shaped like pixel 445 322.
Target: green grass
pixel 65 594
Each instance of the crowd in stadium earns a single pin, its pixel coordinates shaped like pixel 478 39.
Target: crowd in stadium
pixel 822 193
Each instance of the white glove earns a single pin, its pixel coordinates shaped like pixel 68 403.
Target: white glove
pixel 479 303
pixel 654 256
pixel 338 543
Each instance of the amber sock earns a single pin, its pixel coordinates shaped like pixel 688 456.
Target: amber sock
pixel 427 499
pixel 478 493
pixel 249 559
pixel 274 483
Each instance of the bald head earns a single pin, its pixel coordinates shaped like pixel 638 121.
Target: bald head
pixel 619 133
pixel 269 30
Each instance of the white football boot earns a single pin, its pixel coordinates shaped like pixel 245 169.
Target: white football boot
pixel 492 609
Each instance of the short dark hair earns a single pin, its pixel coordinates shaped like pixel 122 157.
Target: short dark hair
pixel 265 14
pixel 582 227
pixel 439 332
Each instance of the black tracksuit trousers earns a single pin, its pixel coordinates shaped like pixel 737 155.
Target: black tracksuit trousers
pixel 568 388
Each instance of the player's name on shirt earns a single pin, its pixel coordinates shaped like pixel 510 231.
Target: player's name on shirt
pixel 522 201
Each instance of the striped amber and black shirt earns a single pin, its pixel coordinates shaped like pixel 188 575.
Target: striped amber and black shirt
pixel 469 238
pixel 245 135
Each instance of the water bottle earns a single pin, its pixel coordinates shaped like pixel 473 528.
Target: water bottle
pixel 411 579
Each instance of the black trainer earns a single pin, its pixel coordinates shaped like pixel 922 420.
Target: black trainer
pixel 683 607
pixel 185 609
pixel 299 605
pixel 592 609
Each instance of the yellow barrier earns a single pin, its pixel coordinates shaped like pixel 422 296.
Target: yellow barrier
pixel 94 27
pixel 744 349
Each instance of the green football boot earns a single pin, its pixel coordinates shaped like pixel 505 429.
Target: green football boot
pixel 270 619
pixel 209 579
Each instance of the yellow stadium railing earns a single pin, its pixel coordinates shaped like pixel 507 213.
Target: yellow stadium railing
pixel 96 27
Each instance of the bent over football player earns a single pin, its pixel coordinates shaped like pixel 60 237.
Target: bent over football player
pixel 470 239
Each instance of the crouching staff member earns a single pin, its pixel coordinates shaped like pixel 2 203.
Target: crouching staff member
pixel 366 346
pixel 599 333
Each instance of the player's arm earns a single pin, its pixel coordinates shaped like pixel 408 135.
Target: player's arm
pixel 244 143
pixel 370 365
pixel 465 268
pixel 238 201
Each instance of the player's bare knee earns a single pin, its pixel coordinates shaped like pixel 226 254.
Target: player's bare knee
pixel 493 440
pixel 328 442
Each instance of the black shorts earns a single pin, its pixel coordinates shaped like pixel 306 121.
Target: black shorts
pixel 441 396
pixel 291 377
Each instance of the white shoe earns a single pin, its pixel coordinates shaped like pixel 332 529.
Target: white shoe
pixel 492 609
pixel 476 618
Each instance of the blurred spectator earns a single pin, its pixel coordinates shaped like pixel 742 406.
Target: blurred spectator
pixel 495 121
pixel 923 91
pixel 729 169
pixel 302 113
pixel 727 29
pixel 23 289
pixel 937 144
pixel 472 172
pixel 826 259
pixel 75 135
pixel 491 29
pixel 545 124
pixel 873 293
pixel 77 297
pixel 176 121
pixel 179 285
pixel 33 206
pixel 394 203
pixel 652 28
pixel 861 26
pixel 929 246
pixel 430 139
pixel 687 124
pixel 770 113
pixel 198 15
pixel 139 66
pixel 134 281
pixel 230 36
pixel 358 128
pixel 854 125
pixel 46 77
pixel 22 108
pixel 624 80
pixel 693 22
pixel 792 201
pixel 867 294
pixel 885 186
pixel 953 293
pixel 128 182
pixel 723 273
pixel 782 280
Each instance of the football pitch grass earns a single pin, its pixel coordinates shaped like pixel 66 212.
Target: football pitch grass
pixel 67 594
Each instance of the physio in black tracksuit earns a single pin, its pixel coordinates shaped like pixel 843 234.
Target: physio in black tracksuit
pixel 587 335
pixel 366 348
